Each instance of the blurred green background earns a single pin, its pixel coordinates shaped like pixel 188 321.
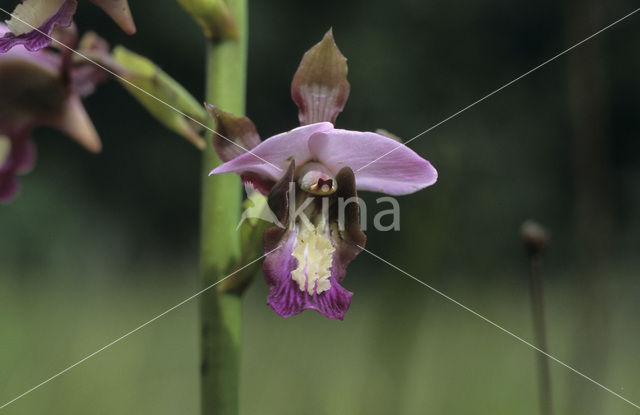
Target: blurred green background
pixel 96 245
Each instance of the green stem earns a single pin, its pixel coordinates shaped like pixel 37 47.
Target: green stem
pixel 540 334
pixel 221 313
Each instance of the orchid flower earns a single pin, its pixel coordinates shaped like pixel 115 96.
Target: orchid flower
pixel 33 21
pixel 307 259
pixel 42 88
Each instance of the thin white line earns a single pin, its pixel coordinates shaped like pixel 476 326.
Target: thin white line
pixel 133 331
pixel 140 89
pixel 501 88
pixel 500 328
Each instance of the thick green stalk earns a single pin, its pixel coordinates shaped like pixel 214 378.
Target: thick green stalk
pixel 221 313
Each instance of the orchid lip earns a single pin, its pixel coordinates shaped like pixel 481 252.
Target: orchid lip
pixel 314 253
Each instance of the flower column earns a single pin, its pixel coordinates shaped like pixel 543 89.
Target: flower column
pixel 221 313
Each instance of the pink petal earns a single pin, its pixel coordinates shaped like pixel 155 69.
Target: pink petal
pixel 399 172
pixel 271 158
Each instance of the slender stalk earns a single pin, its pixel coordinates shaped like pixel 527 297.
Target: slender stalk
pixel 221 313
pixel 590 113
pixel 540 333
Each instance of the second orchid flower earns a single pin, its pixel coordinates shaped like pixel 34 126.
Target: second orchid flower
pixel 33 21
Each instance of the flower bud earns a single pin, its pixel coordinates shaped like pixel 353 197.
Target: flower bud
pixel 534 236
pixel 161 95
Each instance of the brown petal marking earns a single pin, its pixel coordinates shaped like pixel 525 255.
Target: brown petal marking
pixel 279 195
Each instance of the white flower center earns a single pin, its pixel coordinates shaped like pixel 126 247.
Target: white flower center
pixel 314 253
pixel 5 149
pixel 32 12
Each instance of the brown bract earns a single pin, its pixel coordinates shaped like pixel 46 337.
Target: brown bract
pixel 237 135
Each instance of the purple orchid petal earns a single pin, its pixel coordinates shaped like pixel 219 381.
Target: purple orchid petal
pixel 278 150
pixel 31 12
pixel 286 297
pixel 45 58
pixel 399 172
